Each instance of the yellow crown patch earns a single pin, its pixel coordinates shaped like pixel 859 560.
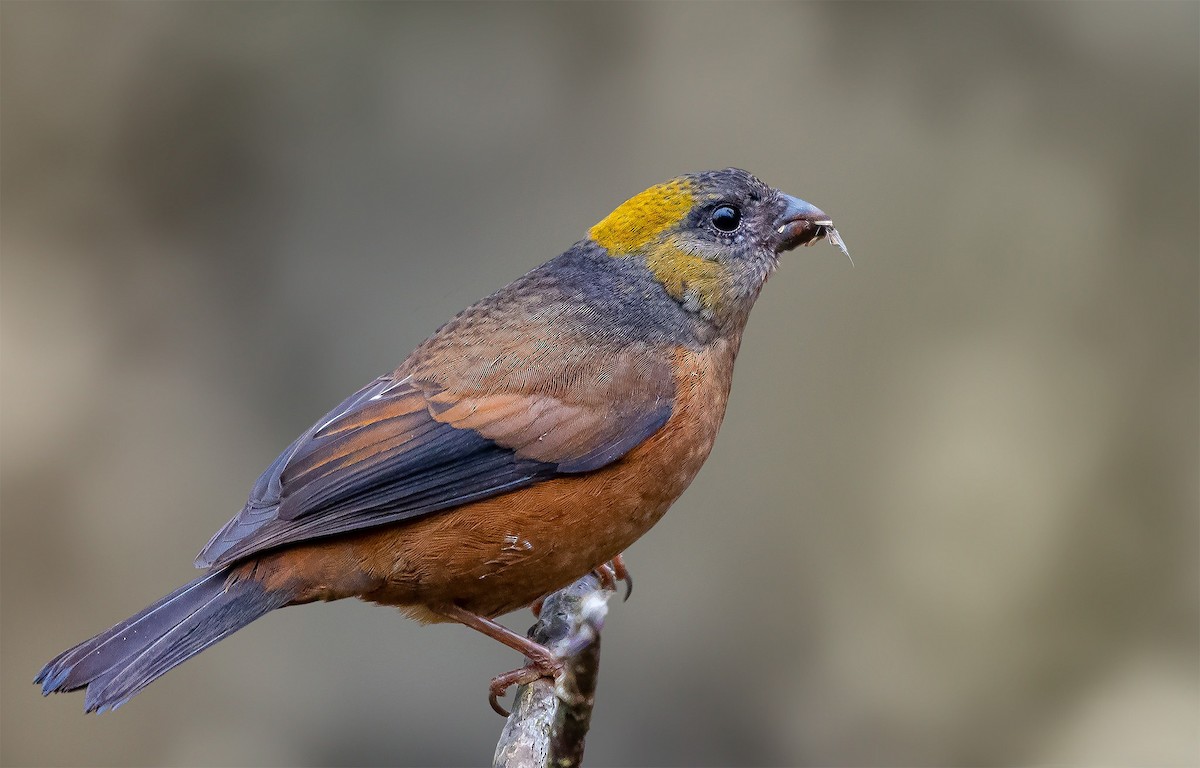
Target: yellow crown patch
pixel 642 219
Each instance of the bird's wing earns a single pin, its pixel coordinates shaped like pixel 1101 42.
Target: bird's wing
pixel 408 445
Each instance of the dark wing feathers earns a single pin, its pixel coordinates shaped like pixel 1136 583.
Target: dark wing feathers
pixel 614 446
pixel 399 449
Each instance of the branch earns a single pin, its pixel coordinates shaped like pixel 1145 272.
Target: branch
pixel 549 721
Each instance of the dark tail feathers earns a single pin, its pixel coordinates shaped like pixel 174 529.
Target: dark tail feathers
pixel 118 663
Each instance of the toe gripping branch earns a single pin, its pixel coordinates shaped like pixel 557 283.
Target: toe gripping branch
pixel 612 572
pixel 550 717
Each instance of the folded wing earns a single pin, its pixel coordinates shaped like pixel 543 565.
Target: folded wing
pixel 404 447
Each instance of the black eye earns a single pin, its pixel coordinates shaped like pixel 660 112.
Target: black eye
pixel 726 218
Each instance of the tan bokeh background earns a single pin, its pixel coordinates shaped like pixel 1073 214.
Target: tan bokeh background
pixel 952 516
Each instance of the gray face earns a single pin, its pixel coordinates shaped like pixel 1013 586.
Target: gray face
pixel 744 225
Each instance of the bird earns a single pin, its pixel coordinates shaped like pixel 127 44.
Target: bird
pixel 529 441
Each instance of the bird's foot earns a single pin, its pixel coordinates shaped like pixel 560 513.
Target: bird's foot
pixel 623 574
pixel 542 661
pixel 535 670
pixel 612 572
pixel 608 574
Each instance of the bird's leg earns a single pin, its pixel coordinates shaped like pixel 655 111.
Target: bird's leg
pixel 543 663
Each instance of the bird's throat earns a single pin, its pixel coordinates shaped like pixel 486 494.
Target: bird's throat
pixel 693 281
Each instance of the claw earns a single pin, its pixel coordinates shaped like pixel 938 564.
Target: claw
pixel 607 576
pixel 497 707
pixel 612 572
pixel 622 574
pixel 522 676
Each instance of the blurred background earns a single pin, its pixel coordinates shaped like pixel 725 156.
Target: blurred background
pixel 952 518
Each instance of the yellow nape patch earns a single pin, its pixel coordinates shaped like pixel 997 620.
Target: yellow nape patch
pixel 689 277
pixel 641 220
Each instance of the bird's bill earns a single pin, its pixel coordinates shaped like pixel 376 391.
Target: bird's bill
pixel 802 223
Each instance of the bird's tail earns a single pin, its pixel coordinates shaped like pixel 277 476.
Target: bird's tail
pixel 119 662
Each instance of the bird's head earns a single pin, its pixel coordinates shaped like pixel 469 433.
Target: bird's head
pixel 712 239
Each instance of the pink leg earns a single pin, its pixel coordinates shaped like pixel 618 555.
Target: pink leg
pixel 543 663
